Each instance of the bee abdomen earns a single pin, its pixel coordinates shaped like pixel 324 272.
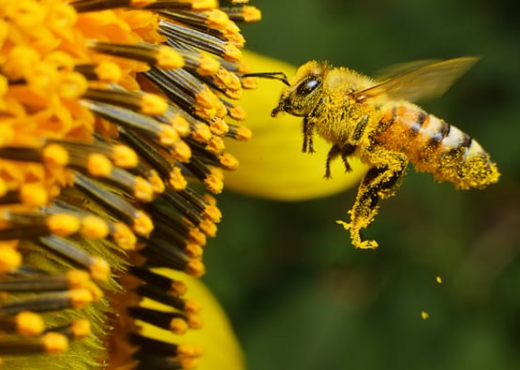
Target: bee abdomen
pixel 434 146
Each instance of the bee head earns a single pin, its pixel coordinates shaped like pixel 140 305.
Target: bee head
pixel 300 97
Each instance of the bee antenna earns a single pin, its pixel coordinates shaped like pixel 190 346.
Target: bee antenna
pixel 280 76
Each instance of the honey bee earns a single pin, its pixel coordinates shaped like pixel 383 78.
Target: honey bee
pixel 377 122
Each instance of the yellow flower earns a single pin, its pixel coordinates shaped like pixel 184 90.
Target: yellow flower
pixel 110 113
pixel 113 116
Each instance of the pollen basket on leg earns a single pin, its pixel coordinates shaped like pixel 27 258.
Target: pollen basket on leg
pixel 110 111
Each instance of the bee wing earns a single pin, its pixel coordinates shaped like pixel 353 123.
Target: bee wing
pixel 419 80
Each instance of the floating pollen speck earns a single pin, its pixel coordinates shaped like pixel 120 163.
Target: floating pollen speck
pixel 109 112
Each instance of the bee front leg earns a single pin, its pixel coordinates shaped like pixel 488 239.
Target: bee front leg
pixel 308 132
pixel 334 152
pixel 379 183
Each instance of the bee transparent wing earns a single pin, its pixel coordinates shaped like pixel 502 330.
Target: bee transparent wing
pixel 419 80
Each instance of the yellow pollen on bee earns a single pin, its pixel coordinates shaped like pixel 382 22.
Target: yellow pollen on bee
pixel 438 279
pixel 425 315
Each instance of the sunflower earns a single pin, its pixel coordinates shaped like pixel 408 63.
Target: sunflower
pixel 115 120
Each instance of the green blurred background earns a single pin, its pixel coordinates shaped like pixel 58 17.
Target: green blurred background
pixel 300 297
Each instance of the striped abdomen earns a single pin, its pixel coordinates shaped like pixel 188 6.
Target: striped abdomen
pixel 436 147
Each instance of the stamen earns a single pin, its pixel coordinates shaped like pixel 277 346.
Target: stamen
pixel 159 160
pixel 77 330
pixel 140 222
pixel 162 56
pixel 195 61
pixel 200 40
pixel 144 103
pixel 52 343
pixel 157 347
pixel 45 282
pixel 211 19
pixel 75 298
pixel 161 296
pixel 175 287
pixel 104 71
pixel 147 361
pixel 174 321
pixel 239 132
pixel 237 113
pixel 160 132
pixel 187 91
pixel 25 323
pixel 99 269
pixel 246 14
pixel 161 253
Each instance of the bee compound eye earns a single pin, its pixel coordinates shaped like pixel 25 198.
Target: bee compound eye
pixel 309 85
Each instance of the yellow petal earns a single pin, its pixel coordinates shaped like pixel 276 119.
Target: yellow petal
pixel 272 164
pixel 220 347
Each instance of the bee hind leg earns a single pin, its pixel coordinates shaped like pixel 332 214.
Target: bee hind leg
pixel 379 183
pixel 336 151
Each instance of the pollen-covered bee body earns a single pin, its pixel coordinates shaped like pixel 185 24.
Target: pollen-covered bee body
pixel 377 122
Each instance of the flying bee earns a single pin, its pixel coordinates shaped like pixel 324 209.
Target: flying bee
pixel 377 122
